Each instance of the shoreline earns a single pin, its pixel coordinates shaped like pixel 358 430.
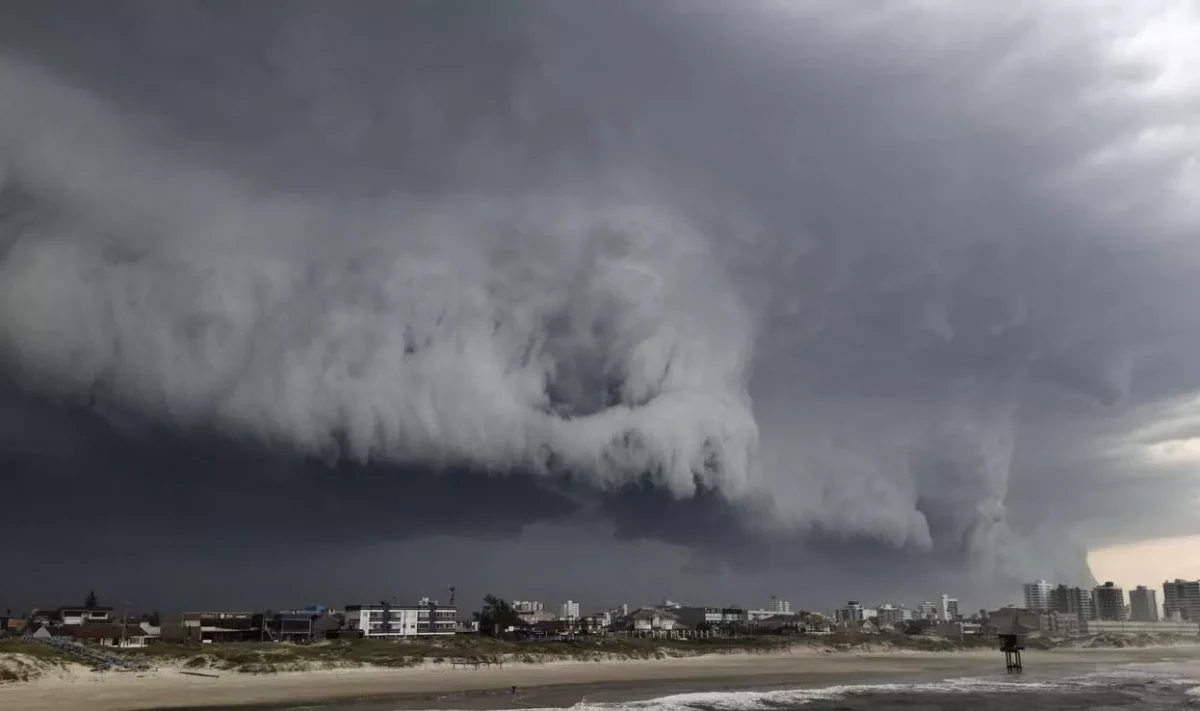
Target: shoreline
pixel 549 684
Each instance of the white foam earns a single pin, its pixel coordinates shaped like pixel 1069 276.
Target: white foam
pixel 755 700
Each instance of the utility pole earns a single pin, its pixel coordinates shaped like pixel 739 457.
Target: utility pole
pixel 124 617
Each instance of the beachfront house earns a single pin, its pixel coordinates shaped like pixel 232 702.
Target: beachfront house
pixel 110 635
pixel 649 621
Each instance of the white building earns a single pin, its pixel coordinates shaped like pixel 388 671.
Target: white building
pixel 393 621
pixel 1038 596
pixel 570 610
pixel 928 611
pixel 948 609
pixel 527 606
pixel 781 607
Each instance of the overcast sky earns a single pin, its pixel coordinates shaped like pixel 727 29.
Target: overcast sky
pixel 331 302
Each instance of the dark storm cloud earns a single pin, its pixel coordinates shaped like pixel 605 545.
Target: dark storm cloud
pixel 755 287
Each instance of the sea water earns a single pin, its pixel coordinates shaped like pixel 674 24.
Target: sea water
pixel 1165 684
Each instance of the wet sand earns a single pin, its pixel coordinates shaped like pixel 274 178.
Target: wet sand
pixel 555 684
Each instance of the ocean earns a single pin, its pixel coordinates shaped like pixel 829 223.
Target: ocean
pixel 1166 684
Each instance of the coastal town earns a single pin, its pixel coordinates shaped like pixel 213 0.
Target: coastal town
pixel 1046 608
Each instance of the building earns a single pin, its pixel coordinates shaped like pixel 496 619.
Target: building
pixel 1143 604
pixel 527 606
pixel 209 627
pixel 72 616
pixel 1039 596
pixel 1188 629
pixel 1181 599
pixel 650 621
pixel 927 611
pixel 948 609
pixel 781 607
pixel 889 614
pixel 1073 601
pixel 1110 602
pixel 308 625
pixel 387 621
pixel 110 635
pixel 570 610
pixel 706 617
pixel 532 612
pixel 851 613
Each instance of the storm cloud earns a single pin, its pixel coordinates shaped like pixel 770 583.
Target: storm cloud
pixel 730 292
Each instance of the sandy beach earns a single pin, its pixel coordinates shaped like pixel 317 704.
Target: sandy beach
pixel 549 684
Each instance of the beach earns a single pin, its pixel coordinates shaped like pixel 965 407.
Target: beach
pixel 551 684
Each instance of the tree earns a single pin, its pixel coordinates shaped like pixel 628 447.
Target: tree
pixel 91 601
pixel 496 616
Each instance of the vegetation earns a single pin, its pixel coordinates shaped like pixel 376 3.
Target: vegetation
pixel 21 661
pixel 496 616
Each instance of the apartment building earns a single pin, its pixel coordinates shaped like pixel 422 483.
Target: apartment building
pixel 570 611
pixel 1143 604
pixel 1039 596
pixel 387 621
pixel 1073 601
pixel 1110 602
pixel 948 609
pixel 1182 597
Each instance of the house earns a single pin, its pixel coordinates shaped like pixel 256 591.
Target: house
pixel 209 627
pixel 74 615
pixel 785 623
pixel 110 635
pixel 651 621
pixel 865 627
pixel 12 626
pixel 302 626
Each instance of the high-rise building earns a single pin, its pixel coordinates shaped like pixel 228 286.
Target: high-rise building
pixel 948 610
pixel 1182 597
pixel 851 612
pixel 1073 601
pixel 1143 604
pixel 780 607
pixel 1110 602
pixel 570 610
pixel 1038 596
pixel 927 611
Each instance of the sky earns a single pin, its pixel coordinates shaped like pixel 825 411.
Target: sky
pixel 612 301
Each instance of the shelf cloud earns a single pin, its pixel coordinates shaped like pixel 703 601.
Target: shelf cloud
pixel 719 289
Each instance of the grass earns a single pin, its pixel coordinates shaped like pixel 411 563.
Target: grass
pixel 268 657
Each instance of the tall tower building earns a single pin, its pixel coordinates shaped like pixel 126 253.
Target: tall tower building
pixel 1038 596
pixel 1182 597
pixel 1143 604
pixel 1110 602
pixel 948 610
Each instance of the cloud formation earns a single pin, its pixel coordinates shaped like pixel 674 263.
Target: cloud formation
pixel 905 275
